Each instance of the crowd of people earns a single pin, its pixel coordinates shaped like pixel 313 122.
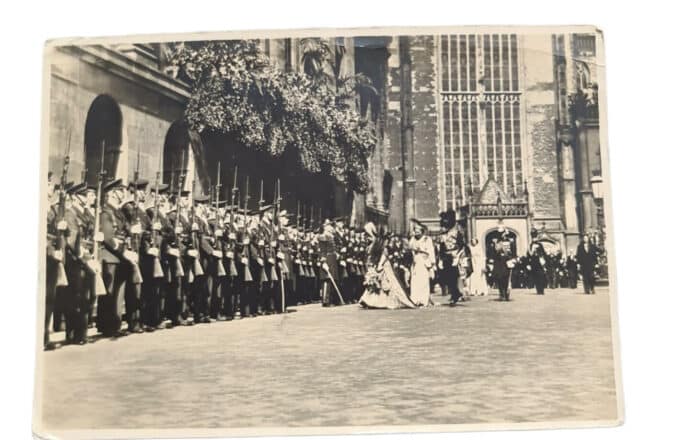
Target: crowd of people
pixel 155 257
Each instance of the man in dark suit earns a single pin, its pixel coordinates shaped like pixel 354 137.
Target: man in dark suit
pixel 536 263
pixel 586 262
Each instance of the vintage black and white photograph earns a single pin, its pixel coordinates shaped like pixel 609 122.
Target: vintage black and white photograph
pixel 326 231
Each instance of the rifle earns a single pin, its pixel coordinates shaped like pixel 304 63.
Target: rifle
pixel 62 232
pixel 235 190
pixel 261 199
pixel 245 249
pixel 282 257
pixel 136 170
pixel 299 217
pixel 155 225
pixel 197 270
pixel 218 232
pixel 99 286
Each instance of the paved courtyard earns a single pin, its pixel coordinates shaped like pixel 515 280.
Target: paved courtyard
pixel 537 358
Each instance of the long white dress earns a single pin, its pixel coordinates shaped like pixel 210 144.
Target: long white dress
pixel 390 294
pixel 478 285
pixel 422 266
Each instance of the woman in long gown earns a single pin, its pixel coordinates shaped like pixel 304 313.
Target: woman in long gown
pixel 422 265
pixel 382 289
pixel 478 284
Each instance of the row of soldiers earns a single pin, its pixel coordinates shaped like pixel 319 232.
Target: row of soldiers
pixel 157 257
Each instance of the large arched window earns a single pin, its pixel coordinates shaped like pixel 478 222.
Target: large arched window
pixel 102 138
pixel 480 97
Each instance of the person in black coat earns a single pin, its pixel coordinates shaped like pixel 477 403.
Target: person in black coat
pixel 571 269
pixel 536 263
pixel 586 262
pixel 503 264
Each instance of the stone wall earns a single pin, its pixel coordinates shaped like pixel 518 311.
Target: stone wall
pixel 539 103
pixel 425 120
pixel 147 113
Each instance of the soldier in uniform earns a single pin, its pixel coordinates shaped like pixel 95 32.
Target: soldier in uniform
pixel 154 255
pixel 268 288
pixel 115 269
pixel 452 254
pixel 536 263
pixel 77 295
pixel 132 247
pixel 328 265
pixel 54 258
pixel 245 276
pixel 284 260
pixel 340 239
pixel 231 282
pixel 199 254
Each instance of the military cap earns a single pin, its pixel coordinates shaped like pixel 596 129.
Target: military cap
pixel 79 188
pixel 138 184
pixel 112 185
pixel 201 198
pixel 162 187
pixel 265 208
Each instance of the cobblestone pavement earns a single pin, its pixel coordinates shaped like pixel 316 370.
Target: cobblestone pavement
pixel 537 358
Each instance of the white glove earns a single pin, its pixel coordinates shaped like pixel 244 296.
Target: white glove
pixel 157 226
pixel 178 229
pixel 274 243
pixel 133 257
pixel 195 226
pixel 153 251
pixel 193 253
pixel 218 232
pixel 135 229
pixel 94 266
pixel 99 237
pixel 261 242
pixel 57 255
pixel 232 236
pixel 218 254
pixel 271 260
pixel 245 241
pixel 244 260
pixel 230 254
pixel 260 261
pixel 62 225
pixel 342 263
pixel 280 255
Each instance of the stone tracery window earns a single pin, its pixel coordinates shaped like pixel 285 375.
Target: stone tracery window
pixel 480 114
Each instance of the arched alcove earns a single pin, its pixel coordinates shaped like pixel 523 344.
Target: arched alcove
pixel 176 153
pixel 102 138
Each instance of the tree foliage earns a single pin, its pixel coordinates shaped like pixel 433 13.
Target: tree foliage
pixel 236 90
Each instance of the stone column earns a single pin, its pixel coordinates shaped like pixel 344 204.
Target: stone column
pixel 407 131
